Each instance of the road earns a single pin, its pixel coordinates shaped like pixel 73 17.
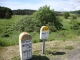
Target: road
pixel 74 54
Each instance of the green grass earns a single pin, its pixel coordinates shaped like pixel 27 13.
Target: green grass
pixel 35 37
pixel 10 37
pixel 7 35
pixel 69 47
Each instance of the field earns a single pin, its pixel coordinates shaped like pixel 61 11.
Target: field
pixel 9 37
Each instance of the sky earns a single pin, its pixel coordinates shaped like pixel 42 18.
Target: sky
pixel 57 5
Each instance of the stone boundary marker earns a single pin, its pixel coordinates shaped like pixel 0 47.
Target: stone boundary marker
pixel 25 46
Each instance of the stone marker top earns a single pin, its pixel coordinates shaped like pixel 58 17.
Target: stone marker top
pixel 44 28
pixel 24 36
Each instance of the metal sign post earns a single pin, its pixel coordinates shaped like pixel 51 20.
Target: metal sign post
pixel 25 45
pixel 44 32
pixel 43 46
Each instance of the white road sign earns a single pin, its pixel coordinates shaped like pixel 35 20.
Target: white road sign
pixel 44 32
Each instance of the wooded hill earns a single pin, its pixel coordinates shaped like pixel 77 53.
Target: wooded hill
pixel 23 12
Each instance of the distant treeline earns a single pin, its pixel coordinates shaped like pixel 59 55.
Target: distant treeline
pixel 76 12
pixel 5 12
pixel 23 12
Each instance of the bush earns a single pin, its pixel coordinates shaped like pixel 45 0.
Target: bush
pixel 44 16
pixel 76 25
pixel 74 17
pixel 66 15
pixel 28 24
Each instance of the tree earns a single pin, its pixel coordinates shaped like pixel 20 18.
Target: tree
pixel 45 16
pixel 7 15
pixel 5 12
pixel 23 12
pixel 66 15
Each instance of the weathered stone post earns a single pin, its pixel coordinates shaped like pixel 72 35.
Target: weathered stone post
pixel 25 46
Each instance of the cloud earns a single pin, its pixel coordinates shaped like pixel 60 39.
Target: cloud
pixel 58 5
pixel 77 8
pixel 78 0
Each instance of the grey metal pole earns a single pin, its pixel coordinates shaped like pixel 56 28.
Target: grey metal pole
pixel 43 47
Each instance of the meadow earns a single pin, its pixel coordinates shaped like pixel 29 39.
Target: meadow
pixel 9 37
pixel 57 44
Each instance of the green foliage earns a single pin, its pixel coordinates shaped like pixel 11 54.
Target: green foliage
pixel 9 37
pixel 46 16
pixel 66 15
pixel 78 12
pixel 62 35
pixel 7 42
pixel 26 24
pixel 23 12
pixel 76 25
pixel 74 17
pixel 52 28
pixel 7 15
pixel 35 37
pixel 5 12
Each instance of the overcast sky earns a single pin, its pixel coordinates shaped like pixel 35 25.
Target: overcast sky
pixel 57 5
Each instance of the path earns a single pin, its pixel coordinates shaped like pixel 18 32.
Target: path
pixel 55 50
pixel 74 54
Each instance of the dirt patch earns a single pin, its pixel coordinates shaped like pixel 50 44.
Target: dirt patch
pixel 8 52
pixel 54 50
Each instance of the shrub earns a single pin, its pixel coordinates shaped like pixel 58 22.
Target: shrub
pixel 66 15
pixel 28 24
pixel 44 16
pixel 74 17
pixel 76 25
